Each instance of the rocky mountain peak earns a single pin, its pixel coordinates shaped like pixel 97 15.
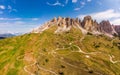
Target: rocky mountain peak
pixel 105 26
pixel 117 29
pixel 88 23
pixel 88 18
pixel 59 19
pixel 54 19
pixel 85 25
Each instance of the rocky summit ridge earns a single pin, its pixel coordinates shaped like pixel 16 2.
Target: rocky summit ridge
pixel 87 25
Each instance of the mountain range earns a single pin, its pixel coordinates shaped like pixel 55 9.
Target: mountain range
pixel 6 35
pixel 86 25
pixel 63 46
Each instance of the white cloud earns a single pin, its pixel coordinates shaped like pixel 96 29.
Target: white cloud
pixel 89 0
pixel 19 22
pixel 35 19
pixel 116 21
pixel 82 3
pixel 74 1
pixel 118 8
pixel 10 19
pixel 19 19
pixel 108 14
pixel 57 3
pixel 77 9
pixel 7 24
pixel 11 9
pixel 2 7
pixel 12 27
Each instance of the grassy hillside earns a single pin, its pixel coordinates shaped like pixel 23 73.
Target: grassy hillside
pixel 68 53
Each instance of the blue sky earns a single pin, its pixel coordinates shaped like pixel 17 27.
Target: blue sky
pixel 24 15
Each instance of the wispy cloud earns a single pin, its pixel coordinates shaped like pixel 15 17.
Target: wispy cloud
pixel 66 2
pixel 18 19
pixel 77 9
pixel 57 3
pixel 2 7
pixel 110 14
pixel 74 1
pixel 12 24
pixel 14 27
pixel 116 21
pixel 118 8
pixel 18 24
pixel 89 0
pixel 11 9
pixel 82 3
pixel 35 19
pixel 12 19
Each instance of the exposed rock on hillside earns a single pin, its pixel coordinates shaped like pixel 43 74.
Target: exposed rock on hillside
pixel 117 29
pixel 88 23
pixel 106 27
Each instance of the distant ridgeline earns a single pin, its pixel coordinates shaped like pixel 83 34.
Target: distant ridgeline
pixel 5 35
pixel 2 37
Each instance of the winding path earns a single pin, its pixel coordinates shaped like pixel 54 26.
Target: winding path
pixel 46 70
pixel 112 61
pixel 54 54
pixel 81 51
pixel 25 68
pixel 35 63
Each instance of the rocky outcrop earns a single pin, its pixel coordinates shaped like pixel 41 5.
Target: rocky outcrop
pixel 90 25
pixel 54 20
pixel 117 29
pixel 86 25
pixel 106 27
pixel 65 24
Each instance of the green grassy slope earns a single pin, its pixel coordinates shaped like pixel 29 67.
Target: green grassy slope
pixel 68 53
